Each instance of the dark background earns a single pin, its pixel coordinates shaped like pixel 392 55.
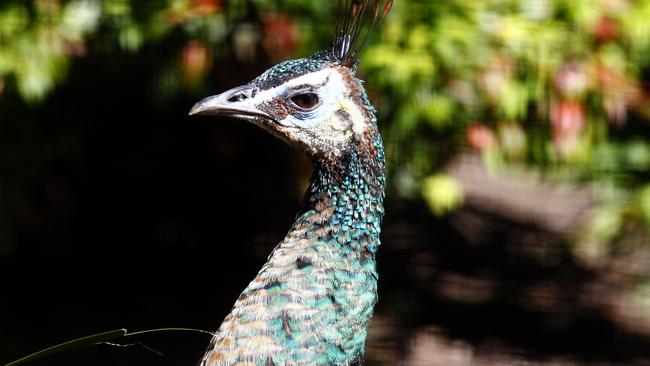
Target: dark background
pixel 120 211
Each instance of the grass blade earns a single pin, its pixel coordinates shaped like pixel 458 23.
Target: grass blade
pixel 72 344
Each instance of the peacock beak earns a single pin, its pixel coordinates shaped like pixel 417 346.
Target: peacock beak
pixel 237 103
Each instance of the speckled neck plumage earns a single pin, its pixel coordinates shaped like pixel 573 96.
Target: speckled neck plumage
pixel 312 301
pixel 344 202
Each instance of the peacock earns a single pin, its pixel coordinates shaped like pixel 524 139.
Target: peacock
pixel 312 302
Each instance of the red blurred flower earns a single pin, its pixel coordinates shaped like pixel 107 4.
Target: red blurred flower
pixel 280 36
pixel 195 61
pixel 207 7
pixel 480 137
pixel 189 10
pixel 606 29
pixel 567 123
pixel 568 117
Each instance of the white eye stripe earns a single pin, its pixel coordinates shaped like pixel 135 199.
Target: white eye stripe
pixel 328 82
pixel 306 82
pixel 318 78
pixel 308 88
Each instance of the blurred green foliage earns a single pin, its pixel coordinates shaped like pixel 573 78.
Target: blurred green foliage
pixel 35 42
pixel 556 86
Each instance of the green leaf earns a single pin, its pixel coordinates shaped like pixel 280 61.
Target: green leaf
pixel 442 193
pixel 513 100
pixel 438 111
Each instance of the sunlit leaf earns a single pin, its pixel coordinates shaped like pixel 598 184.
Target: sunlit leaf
pixel 131 37
pixel 442 193
pixel 80 17
pixel 513 100
pixel 637 155
pixel 13 19
pixel 438 111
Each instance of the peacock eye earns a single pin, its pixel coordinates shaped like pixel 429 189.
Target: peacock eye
pixel 305 101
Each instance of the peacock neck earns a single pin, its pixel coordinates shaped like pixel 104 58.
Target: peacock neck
pixel 311 303
pixel 344 202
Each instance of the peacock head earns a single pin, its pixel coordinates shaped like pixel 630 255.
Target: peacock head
pixel 316 103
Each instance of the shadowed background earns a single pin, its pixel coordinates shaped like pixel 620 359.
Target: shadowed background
pixel 518 205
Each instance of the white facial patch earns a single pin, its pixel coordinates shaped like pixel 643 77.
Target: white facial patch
pixel 327 76
pixel 333 94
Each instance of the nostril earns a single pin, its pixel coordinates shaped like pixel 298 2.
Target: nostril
pixel 239 94
pixel 237 97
